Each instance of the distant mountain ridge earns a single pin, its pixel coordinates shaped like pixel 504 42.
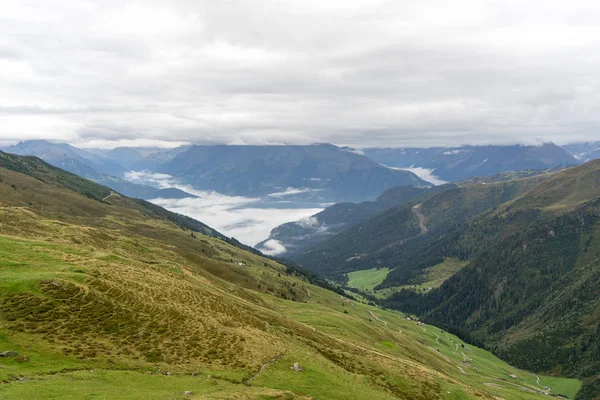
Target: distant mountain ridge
pixel 67 157
pixel 142 158
pixel 315 173
pixel 323 172
pixel 584 152
pixel 458 163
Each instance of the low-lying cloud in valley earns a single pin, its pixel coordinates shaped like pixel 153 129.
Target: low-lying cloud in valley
pixel 426 174
pixel 248 224
pixel 249 220
pixel 273 247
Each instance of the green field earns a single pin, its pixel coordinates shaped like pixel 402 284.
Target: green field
pixel 367 280
pixel 358 353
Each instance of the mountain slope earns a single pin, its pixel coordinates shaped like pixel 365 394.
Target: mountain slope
pixel 297 237
pixel 322 172
pixel 67 157
pixel 105 296
pixel 532 287
pixel 396 238
pixel 533 298
pixel 91 166
pixel 529 285
pixel 459 163
pixel 142 158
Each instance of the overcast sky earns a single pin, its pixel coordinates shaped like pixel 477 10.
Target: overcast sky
pixel 351 72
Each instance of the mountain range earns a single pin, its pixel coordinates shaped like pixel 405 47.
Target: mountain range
pixel 458 163
pixel 316 174
pixel 584 152
pixel 323 172
pixel 107 296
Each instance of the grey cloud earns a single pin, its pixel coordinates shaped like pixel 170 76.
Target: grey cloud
pixel 353 72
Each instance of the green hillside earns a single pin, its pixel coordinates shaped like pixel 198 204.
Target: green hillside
pixel 532 289
pixel 394 238
pixel 526 279
pixel 103 297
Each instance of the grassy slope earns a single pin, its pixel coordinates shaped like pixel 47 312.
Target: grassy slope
pixel 532 294
pixel 106 301
pixel 433 277
pixel 366 280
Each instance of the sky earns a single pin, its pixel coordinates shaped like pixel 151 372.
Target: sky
pixel 351 72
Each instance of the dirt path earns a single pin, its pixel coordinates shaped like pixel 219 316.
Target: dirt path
pixel 416 210
pixel 448 360
pixel 548 388
pixel 107 197
pixel 377 318
pixel 465 358
pixel 525 388
pixel 264 367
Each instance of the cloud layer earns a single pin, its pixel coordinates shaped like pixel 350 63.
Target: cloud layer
pixel 247 219
pixel 351 72
pixel 248 224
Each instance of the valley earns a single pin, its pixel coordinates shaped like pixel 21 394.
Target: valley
pixel 103 294
pixel 505 264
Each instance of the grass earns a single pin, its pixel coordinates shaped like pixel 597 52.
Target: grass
pixel 106 310
pixel 319 378
pixel 560 386
pixel 392 334
pixel 375 351
pixel 102 384
pixel 366 280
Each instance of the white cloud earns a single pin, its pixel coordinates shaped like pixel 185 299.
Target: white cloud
pixel 244 218
pixel 355 151
pixel 453 152
pixel 235 216
pixel 424 173
pixel 158 180
pixel 308 222
pixel 292 191
pixel 273 247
